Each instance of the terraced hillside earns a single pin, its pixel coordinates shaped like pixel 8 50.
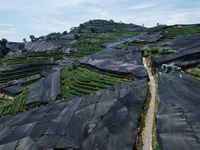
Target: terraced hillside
pixel 90 94
pixel 88 89
pixel 75 81
pixel 81 81
pixel 31 57
pixel 174 31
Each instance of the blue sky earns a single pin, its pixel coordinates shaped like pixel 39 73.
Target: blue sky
pixel 21 18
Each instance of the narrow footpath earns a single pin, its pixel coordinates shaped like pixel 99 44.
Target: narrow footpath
pixel 147 139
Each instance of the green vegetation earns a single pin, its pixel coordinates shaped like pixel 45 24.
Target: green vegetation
pixel 106 26
pixel 22 73
pixel 21 46
pixel 141 122
pixel 172 32
pixel 24 39
pixel 41 58
pixel 77 81
pixel 194 72
pixel 80 81
pixel 91 43
pixel 17 104
pixel 31 57
pixel 32 37
pixel 28 58
pixel 133 44
pixel 198 66
pixel 152 52
pixel 4 98
pixel 3 48
pixel 155 143
pixel 94 35
pixel 53 36
pixel 85 47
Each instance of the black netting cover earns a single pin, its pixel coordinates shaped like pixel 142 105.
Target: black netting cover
pixel 182 42
pixel 46 89
pixel 43 45
pixel 142 38
pixel 147 37
pixel 119 60
pixel 103 120
pixel 15 89
pixel 178 118
pixel 27 65
pixel 188 52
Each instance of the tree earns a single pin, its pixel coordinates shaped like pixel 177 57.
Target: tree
pixel 80 31
pixel 24 39
pixel 64 33
pixel 3 49
pixel 81 26
pixel 93 30
pixel 72 28
pixel 53 36
pixel 3 42
pixel 76 36
pixel 21 46
pixel 32 37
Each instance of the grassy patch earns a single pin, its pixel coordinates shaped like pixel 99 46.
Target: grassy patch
pixel 155 143
pixel 152 52
pixel 91 43
pixel 195 72
pixel 131 44
pixel 172 32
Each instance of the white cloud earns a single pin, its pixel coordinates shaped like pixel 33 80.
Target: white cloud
pixel 10 31
pixel 99 12
pixel 50 25
pixel 184 17
pixel 36 20
pixel 143 6
pixel 7 25
pixel 42 17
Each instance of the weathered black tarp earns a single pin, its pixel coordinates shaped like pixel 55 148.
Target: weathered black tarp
pixel 14 86
pixel 182 42
pixel 15 89
pixel 103 120
pixel 27 65
pixel 147 37
pixel 118 60
pixel 46 89
pixel 141 38
pixel 43 45
pixel 187 55
pixel 178 118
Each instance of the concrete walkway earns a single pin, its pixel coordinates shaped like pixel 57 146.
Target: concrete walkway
pixel 147 138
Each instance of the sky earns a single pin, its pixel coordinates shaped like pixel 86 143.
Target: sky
pixel 21 18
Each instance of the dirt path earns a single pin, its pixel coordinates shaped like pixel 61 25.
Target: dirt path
pixel 147 139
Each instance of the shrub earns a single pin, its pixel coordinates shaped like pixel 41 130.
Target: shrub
pixel 21 46
pixel 32 37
